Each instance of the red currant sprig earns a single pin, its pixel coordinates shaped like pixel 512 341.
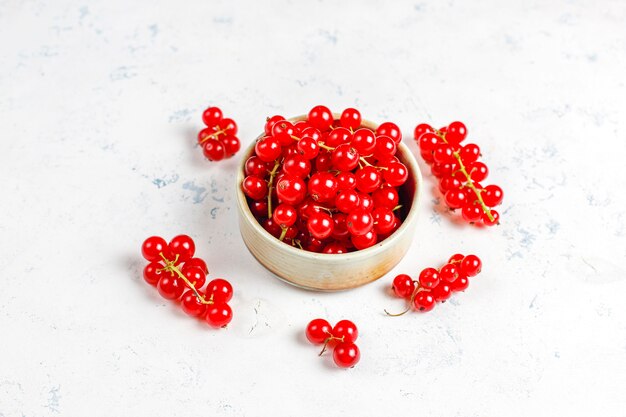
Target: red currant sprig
pixel 459 172
pixel 340 338
pixel 173 269
pixel 326 185
pixel 218 139
pixel 434 285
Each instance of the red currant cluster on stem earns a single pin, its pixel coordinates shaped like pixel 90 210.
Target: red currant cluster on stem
pixel 340 338
pixel 436 285
pixel 326 185
pixel 218 139
pixel 459 172
pixel 176 273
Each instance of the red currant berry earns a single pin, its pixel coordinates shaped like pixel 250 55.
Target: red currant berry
pixel 322 186
pixel 152 273
pixel 268 148
pixel 428 141
pixel 424 301
pixel 192 305
pixel 335 248
pixel 384 220
pixel 350 119
pixel 429 278
pixel 297 166
pixel 317 331
pixel 270 122
pixel 308 148
pixel 391 130
pixel 368 179
pixel 456 258
pixel 285 215
pixel 340 230
pixel 460 284
pixel 449 183
pixel 291 190
pixel 228 125
pixel 153 247
pixel 194 275
pixel 478 171
pixel 364 141
pixel 456 132
pixel 385 148
pixel 346 181
pixel 471 265
pixel 272 228
pixel 443 154
pixel 455 198
pixel 283 130
pixel 346 331
pixel 182 248
pixel 442 292
pixel 231 145
pixel 320 225
pixel 347 201
pixel 212 116
pixel 492 195
pixel 469 153
pixel 345 157
pixel 403 286
pixel 254 187
pixel 170 287
pixel 214 150
pixel 320 117
pixel 198 263
pixel 346 355
pixel 255 166
pixel 219 290
pixel 338 137
pixel 489 222
pixel 323 162
pixel 471 212
pixel 421 129
pixel 366 202
pixel 448 273
pixel 359 222
pixel 386 196
pixel 396 174
pixel 365 241
pixel 219 314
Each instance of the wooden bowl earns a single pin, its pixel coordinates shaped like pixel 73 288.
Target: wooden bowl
pixel 332 272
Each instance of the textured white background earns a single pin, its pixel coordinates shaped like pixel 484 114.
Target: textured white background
pixel 99 106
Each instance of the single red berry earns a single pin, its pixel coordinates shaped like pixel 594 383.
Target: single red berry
pixel 322 186
pixel 346 331
pixel 320 117
pixel 297 166
pixel 391 130
pixel 199 263
pixel 448 183
pixel 219 314
pixel 259 208
pixel 212 116
pixel 420 129
pixel 170 287
pixel 338 136
pixel 424 301
pixel 152 248
pixel 478 171
pixel 350 119
pixel 428 141
pixel 214 150
pixel 492 195
pixel 182 248
pixel 429 278
pixel 194 275
pixel 366 202
pixel 471 265
pixel 345 157
pixel 455 198
pixel 254 187
pixel 219 290
pixel 228 126
pixel 442 291
pixel 347 201
pixel 308 147
pixel 231 145
pixel 359 222
pixel 456 258
pixel 403 286
pixel 469 153
pixel 460 284
pixel 268 148
pixel 443 153
pixel 270 122
pixel 323 161
pixel 456 132
pixel 345 181
pixel 335 248
pixel 283 131
pixel 489 222
pixel 448 273
pixel 285 215
pixel 317 331
pixel 385 148
pixel 271 227
pixel 396 174
pixel 320 225
pixel 346 355
pixel 384 220
pixel 340 230
pixel 256 167
pixel 152 273
pixel 368 179
pixel 471 212
pixel 364 141
pixel 386 196
pixel 192 305
pixel 291 190
pixel 365 241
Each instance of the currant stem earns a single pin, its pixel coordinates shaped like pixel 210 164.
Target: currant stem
pixel 328 340
pixel 468 179
pixel 270 184
pixel 170 266
pixel 418 288
pixel 214 135
pixel 283 232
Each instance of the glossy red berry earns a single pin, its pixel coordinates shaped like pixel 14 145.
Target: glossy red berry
pixel 384 220
pixel 335 248
pixel 346 331
pixel 219 314
pixel 386 196
pixel 346 355
pixel 192 306
pixel 347 201
pixel 228 126
pixel 469 153
pixel 492 195
pixel 268 149
pixel 198 263
pixel 254 187
pixel 428 141
pixel 391 130
pixel 297 166
pixel 403 286
pixel 182 248
pixel 429 278
pixel 460 284
pixel 291 190
pixel 471 212
pixel 256 167
pixel 212 116
pixel 364 141
pixel 455 198
pixel 338 136
pixel 420 129
pixel 345 181
pixel 456 132
pixel 214 150
pixel 320 225
pixel 320 117
pixel 396 174
pixel 152 248
pixel 448 273
pixel 478 171
pixel 442 291
pixel 359 222
pixel 152 273
pixel 318 330
pixel 424 301
pixel 470 265
pixel 170 287
pixel 219 290
pixel 194 275
pixel 285 215
pixel 350 119
pixel 322 186
pixel 493 221
pixel 385 148
pixel 308 147
pixel 345 157
pixel 365 241
pixel 443 153
pixel 231 145
pixel 368 179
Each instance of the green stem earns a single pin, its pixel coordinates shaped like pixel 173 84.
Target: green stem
pixel 270 184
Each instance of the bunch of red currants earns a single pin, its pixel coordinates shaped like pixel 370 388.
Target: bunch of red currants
pixel 326 185
pixel 340 338
pixel 218 140
pixel 434 285
pixel 176 273
pixel 459 172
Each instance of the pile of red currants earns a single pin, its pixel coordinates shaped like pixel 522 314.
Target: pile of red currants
pixel 218 140
pixel 326 185
pixel 176 273
pixel 340 338
pixel 436 285
pixel 459 172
